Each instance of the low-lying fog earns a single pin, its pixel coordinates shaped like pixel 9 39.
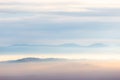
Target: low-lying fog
pixel 69 70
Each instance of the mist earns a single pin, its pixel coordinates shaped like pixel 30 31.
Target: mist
pixel 68 70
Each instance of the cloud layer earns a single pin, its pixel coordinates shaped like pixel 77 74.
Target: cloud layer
pixel 59 22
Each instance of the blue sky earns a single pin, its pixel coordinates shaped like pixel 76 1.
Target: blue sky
pixel 57 22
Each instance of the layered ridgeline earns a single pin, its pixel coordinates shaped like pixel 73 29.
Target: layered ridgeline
pixel 32 59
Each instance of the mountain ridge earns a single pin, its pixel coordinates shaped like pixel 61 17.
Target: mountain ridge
pixel 33 59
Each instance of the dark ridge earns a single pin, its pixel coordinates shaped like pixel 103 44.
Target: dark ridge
pixel 32 59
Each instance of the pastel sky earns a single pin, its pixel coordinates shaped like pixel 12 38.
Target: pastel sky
pixel 76 27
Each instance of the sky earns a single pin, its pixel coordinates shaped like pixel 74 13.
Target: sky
pixel 60 28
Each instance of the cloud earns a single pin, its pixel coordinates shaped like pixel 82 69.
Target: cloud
pixel 36 6
pixel 50 31
pixel 67 48
pixel 33 8
pixel 59 21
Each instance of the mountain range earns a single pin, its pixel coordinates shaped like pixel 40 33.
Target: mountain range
pixel 32 59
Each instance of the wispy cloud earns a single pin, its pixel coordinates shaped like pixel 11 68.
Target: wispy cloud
pixel 59 21
pixel 37 6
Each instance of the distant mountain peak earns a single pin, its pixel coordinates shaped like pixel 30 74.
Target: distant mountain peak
pixel 28 59
pixel 32 59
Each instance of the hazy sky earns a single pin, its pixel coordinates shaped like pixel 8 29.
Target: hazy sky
pixel 55 22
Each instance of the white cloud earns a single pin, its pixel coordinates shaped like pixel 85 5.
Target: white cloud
pixel 31 13
pixel 40 18
pixel 56 5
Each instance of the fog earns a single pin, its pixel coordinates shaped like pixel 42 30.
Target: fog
pixel 68 70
